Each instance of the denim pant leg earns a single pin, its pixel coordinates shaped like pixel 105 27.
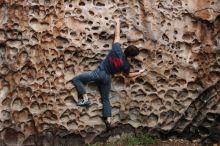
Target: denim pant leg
pixel 82 79
pixel 104 88
pixel 103 81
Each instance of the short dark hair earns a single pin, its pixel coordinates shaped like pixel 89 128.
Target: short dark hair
pixel 131 51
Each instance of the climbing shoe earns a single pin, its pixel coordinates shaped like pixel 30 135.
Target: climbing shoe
pixel 83 102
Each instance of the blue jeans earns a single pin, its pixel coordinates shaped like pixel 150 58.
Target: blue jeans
pixel 103 80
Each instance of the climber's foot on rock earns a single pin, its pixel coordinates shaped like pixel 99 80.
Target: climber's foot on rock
pixel 83 102
pixel 107 122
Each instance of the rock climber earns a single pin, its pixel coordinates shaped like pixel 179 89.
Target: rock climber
pixel 117 61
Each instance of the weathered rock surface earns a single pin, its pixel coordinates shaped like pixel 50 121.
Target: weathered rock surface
pixel 44 43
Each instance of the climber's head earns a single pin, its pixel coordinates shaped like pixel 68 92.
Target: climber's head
pixel 131 51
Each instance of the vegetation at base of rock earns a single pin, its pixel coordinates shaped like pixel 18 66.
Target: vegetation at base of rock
pixel 129 140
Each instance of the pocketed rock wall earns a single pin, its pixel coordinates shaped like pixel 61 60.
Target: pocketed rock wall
pixel 45 43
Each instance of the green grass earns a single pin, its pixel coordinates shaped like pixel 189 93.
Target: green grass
pixel 129 140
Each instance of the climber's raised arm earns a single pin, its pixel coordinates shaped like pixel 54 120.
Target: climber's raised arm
pixel 117 30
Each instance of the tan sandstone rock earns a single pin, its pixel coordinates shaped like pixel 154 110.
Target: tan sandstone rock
pixel 45 43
